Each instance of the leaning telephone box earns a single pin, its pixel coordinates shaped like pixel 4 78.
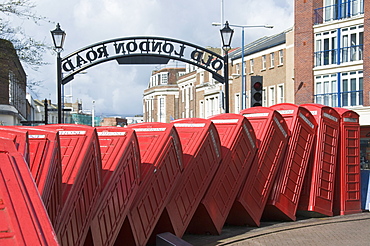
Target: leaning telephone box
pixel 120 182
pixel 347 199
pixel 239 146
pixel 46 168
pixel 272 133
pixel 24 220
pixel 81 178
pixel 161 166
pixel 19 138
pixel 202 155
pixel 318 187
pixel 283 200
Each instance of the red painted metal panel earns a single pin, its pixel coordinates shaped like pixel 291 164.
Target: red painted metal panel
pixel 24 220
pixel 272 133
pixel 284 197
pixel 318 187
pixel 46 168
pixel 202 155
pixel 238 143
pixel 161 166
pixel 120 182
pixel 19 138
pixel 81 180
pixel 347 198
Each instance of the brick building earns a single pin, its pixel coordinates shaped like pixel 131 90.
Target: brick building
pixel 332 57
pixel 13 82
pixel 161 97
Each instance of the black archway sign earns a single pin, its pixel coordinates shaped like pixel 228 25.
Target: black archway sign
pixel 141 50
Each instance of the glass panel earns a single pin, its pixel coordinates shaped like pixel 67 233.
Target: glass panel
pixel 353 92
pixel 345 93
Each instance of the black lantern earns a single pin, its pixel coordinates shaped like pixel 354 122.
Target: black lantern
pixel 226 35
pixel 58 38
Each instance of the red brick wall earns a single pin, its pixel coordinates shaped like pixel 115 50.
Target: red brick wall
pixel 304 50
pixel 366 53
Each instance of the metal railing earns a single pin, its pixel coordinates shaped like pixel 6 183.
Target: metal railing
pixel 347 54
pixel 348 98
pixel 338 11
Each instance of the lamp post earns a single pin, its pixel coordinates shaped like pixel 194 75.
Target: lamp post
pixel 243 63
pixel 226 36
pixel 58 36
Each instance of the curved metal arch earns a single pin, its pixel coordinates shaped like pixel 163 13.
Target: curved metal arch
pixel 141 50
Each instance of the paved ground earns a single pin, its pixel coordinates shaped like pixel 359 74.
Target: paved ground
pixel 338 230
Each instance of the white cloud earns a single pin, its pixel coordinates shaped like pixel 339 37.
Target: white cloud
pixel 118 89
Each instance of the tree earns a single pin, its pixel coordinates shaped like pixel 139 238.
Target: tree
pixel 29 50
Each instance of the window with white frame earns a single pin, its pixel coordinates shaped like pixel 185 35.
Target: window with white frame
pixel 237 68
pixel 263 62
pixel 212 106
pixel 326 48
pixel 272 59
pixel 271 95
pixel 326 90
pixel 251 65
pixel 201 109
pixel 280 93
pixel 237 103
pixel 162 109
pixel 281 57
pixel 264 96
pixel 352 88
pixel 164 78
pixel 352 43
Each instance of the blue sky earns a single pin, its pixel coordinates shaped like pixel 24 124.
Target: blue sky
pixel 118 90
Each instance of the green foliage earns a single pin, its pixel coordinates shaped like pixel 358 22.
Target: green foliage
pixel 29 50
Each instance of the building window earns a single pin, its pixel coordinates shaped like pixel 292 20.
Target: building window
pixel 201 109
pixel 164 78
pixel 237 69
pixel 263 62
pixel 272 60
pixel 352 89
pixel 264 96
pixel 281 57
pixel 237 103
pixel 211 106
pixel 271 95
pixel 336 10
pixel 352 44
pixel 326 90
pixel 162 110
pixel 251 64
pixel 280 93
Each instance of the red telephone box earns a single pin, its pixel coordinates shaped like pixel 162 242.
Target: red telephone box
pixel 283 200
pixel 161 166
pixel 272 133
pixel 238 150
pixel 120 182
pixel 19 138
pixel 24 220
pixel 318 187
pixel 81 180
pixel 347 199
pixel 202 155
pixel 46 168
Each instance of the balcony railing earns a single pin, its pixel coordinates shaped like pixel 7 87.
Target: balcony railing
pixel 347 54
pixel 348 98
pixel 339 11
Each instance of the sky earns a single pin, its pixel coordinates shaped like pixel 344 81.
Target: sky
pixel 118 89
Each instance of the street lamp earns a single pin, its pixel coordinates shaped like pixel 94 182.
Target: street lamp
pixel 243 64
pixel 226 36
pixel 58 36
